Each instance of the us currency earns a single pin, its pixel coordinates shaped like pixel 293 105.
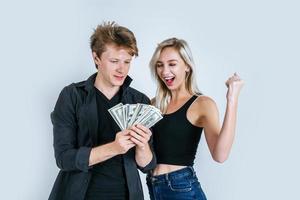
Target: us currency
pixel 151 119
pixel 139 111
pixel 124 116
pixel 130 112
pixel 143 115
pixel 156 109
pixel 117 114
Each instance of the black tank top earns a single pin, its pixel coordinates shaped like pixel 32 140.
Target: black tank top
pixel 176 139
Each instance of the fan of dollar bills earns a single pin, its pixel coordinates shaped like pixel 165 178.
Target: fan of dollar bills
pixel 130 114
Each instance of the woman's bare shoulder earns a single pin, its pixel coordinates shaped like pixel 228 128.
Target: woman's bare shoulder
pixel 203 100
pixel 203 108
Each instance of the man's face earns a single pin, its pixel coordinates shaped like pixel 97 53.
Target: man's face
pixel 113 65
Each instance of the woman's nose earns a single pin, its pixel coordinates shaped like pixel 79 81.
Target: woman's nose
pixel 165 70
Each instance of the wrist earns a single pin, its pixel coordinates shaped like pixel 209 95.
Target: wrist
pixel 143 149
pixel 113 148
pixel 232 100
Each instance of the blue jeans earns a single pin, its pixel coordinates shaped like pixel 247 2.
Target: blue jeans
pixel 180 184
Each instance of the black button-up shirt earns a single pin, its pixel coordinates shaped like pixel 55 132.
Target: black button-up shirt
pixel 75 125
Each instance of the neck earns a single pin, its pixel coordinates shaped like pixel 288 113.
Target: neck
pixel 179 94
pixel 106 88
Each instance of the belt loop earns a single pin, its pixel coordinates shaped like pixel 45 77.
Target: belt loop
pixel 193 171
pixel 167 176
pixel 153 179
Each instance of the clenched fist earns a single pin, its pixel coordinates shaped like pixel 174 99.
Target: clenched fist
pixel 234 85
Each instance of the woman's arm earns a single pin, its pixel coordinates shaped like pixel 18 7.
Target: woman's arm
pixel 220 139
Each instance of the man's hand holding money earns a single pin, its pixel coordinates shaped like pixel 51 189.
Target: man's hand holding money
pixel 140 135
pixel 135 121
pixel 123 142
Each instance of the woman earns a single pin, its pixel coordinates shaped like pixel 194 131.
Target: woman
pixel 186 113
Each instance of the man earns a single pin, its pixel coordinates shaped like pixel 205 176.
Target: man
pixel 97 159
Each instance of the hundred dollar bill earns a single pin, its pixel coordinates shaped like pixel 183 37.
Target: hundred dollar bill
pixel 143 115
pixel 152 119
pixel 149 117
pixel 130 112
pixel 117 114
pixel 141 111
pixel 124 116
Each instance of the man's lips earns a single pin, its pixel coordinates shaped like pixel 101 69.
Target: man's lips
pixel 118 77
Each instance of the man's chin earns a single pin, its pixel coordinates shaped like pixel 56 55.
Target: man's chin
pixel 118 83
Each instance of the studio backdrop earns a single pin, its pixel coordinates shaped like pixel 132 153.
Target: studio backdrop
pixel 44 46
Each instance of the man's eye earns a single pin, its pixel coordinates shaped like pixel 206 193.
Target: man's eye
pixel 127 62
pixel 114 61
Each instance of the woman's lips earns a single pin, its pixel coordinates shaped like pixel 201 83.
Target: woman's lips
pixel 169 81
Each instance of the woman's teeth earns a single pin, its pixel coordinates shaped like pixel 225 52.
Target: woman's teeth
pixel 169 79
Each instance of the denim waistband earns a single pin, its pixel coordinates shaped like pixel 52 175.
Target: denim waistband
pixel 181 173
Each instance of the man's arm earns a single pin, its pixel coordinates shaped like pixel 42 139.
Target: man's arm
pixel 120 145
pixel 144 155
pixel 68 156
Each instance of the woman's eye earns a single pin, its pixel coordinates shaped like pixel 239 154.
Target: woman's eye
pixel 159 65
pixel 114 61
pixel 172 64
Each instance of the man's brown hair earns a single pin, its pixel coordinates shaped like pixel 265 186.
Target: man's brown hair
pixel 111 33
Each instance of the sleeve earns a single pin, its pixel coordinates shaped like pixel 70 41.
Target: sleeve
pixel 145 100
pixel 69 157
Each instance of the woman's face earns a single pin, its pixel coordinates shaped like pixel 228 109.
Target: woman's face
pixel 171 68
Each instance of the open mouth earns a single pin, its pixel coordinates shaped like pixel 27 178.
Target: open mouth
pixel 169 80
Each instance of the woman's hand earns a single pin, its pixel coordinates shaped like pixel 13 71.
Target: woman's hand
pixel 234 85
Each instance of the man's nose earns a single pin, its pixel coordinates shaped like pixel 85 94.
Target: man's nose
pixel 121 66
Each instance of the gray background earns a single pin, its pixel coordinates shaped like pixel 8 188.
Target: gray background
pixel 44 45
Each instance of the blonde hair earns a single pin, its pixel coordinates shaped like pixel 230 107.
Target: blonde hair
pixel 163 94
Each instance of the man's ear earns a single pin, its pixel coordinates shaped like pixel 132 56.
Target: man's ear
pixel 96 59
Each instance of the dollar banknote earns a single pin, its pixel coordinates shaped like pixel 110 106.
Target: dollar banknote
pixel 131 114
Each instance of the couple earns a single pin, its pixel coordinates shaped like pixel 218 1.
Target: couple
pixel 99 161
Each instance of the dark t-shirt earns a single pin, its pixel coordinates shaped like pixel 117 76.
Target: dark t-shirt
pixel 108 177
